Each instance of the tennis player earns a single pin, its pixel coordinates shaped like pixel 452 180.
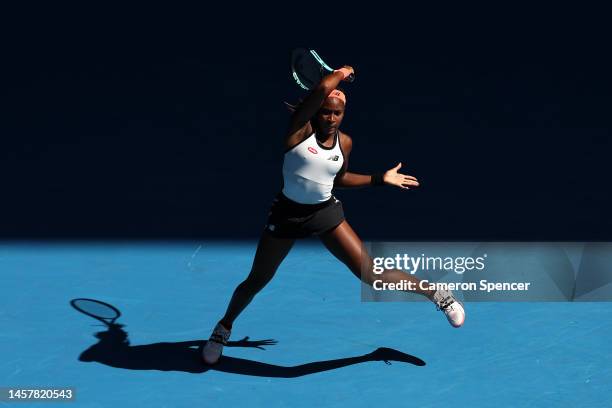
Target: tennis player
pixel 316 161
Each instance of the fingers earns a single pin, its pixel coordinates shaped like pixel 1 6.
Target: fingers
pixel 407 182
pixel 410 180
pixel 403 186
pixel 404 181
pixel 349 68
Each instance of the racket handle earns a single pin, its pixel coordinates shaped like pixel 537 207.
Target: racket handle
pixel 350 78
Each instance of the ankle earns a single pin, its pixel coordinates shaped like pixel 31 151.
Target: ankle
pixel 430 295
pixel 226 324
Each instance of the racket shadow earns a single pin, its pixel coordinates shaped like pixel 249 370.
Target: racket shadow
pixel 114 349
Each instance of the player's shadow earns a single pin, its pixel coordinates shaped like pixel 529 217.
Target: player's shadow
pixel 114 349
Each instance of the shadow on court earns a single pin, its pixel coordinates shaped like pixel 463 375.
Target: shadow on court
pixel 113 349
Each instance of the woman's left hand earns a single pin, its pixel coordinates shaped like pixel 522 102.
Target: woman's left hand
pixel 393 178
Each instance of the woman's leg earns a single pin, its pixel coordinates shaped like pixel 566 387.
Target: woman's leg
pixel 270 253
pixel 344 243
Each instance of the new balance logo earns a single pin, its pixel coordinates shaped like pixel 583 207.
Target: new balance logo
pixel 333 157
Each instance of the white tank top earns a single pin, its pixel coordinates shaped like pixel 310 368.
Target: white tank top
pixel 309 169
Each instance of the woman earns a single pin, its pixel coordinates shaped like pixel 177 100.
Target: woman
pixel 316 161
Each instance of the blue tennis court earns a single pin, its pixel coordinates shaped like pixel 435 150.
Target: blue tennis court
pixel 316 332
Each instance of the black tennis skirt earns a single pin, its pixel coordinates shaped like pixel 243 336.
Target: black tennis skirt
pixel 288 219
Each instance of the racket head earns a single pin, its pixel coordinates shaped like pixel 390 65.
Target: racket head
pixel 326 69
pixel 308 68
pixel 97 309
pixel 305 68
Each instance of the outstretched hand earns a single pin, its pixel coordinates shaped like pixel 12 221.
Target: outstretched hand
pixel 393 178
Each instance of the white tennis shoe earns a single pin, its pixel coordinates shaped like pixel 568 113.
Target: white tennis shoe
pixel 446 302
pixel 211 353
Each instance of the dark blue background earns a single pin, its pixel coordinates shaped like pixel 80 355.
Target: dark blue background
pixel 169 124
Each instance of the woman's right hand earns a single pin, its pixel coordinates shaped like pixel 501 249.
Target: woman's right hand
pixel 350 70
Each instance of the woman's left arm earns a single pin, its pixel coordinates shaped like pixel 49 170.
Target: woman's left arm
pixel 346 179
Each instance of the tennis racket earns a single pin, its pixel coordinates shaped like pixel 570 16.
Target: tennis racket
pixel 308 68
pixel 101 311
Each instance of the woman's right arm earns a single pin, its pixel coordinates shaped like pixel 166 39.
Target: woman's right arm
pixel 299 126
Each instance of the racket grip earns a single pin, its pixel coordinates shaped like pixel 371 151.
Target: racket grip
pixel 350 78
